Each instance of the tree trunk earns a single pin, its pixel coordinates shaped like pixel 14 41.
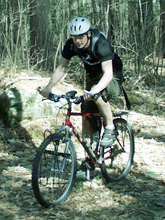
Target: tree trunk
pixel 148 27
pixel 41 35
pixel 162 17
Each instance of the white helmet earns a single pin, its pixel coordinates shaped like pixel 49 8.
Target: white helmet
pixel 79 26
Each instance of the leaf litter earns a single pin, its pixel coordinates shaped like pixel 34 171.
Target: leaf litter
pixel 140 196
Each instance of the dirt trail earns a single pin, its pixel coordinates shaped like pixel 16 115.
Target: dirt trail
pixel 140 196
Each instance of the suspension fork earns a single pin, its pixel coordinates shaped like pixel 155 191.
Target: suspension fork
pixel 66 139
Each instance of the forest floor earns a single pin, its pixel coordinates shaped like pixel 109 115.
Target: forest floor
pixel 140 196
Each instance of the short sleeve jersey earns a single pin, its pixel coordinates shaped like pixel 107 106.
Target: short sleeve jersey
pixel 92 62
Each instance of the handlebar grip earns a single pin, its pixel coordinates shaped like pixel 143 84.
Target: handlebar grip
pixel 89 93
pixel 53 97
pixel 94 96
pixel 79 100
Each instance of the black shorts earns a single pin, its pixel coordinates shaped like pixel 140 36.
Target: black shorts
pixel 111 91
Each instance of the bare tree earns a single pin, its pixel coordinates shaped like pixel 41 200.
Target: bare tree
pixel 162 17
pixel 41 34
pixel 40 26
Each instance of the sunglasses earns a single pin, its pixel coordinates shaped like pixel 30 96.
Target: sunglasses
pixel 78 37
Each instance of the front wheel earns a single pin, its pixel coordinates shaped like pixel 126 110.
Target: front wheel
pixel 118 158
pixel 54 170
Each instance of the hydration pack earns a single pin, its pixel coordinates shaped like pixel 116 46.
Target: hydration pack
pixel 117 62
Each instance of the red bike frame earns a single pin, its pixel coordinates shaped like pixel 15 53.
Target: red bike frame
pixel 84 144
pixel 69 123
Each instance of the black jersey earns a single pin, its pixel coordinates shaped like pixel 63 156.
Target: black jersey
pixel 92 62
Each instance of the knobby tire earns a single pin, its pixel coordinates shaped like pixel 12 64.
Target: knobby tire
pixel 116 168
pixel 54 170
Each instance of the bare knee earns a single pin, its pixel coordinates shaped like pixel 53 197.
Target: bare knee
pixel 86 126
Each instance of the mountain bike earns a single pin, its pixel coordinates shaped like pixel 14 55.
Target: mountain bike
pixel 55 163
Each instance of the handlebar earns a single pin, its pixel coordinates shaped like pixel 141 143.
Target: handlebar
pixel 71 95
pixel 96 96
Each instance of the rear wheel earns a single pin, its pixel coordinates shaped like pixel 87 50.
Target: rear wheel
pixel 118 158
pixel 54 170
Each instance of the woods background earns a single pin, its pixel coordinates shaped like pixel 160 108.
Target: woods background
pixel 32 35
pixel 33 32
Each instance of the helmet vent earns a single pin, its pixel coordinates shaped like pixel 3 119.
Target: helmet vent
pixel 79 26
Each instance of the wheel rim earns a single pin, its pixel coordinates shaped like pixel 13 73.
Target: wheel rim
pixel 116 168
pixel 55 173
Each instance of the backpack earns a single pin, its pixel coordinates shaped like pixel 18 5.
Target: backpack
pixel 117 64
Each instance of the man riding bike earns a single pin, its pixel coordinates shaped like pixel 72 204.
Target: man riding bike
pixel 99 76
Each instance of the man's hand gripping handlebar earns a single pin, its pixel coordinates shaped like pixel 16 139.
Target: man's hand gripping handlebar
pixel 96 96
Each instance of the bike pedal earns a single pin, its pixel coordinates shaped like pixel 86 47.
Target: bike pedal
pixel 83 175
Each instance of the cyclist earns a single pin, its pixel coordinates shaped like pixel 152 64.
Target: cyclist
pixel 99 75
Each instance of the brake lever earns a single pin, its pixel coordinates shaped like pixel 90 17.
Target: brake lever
pixel 96 96
pixel 78 100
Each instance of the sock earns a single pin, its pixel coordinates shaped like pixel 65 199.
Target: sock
pixel 111 127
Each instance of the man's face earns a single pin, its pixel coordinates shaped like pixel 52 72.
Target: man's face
pixel 81 41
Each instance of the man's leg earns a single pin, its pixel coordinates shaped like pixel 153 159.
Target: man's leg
pixel 110 132
pixel 91 126
pixel 90 130
pixel 105 110
pixel 113 90
pixel 86 128
pixel 87 132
